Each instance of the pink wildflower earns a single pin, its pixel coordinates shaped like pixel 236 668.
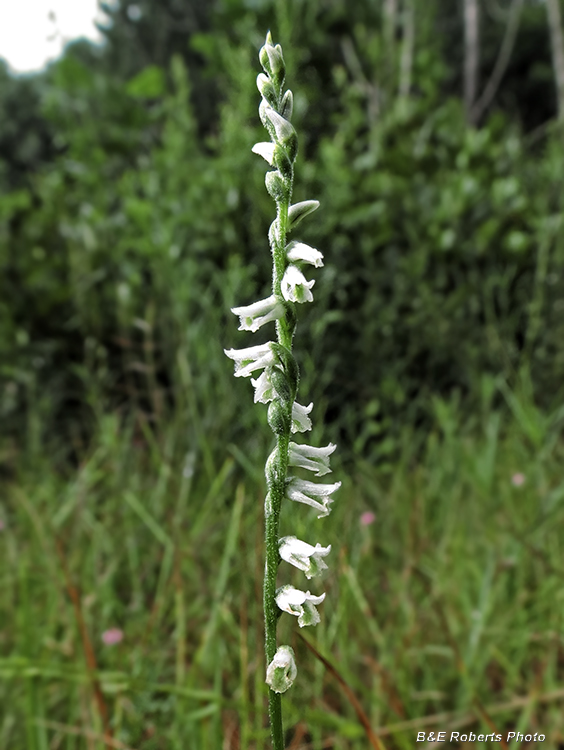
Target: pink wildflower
pixel 2 525
pixel 112 636
pixel 367 518
pixel 518 479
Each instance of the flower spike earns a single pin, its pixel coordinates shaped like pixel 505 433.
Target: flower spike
pixel 277 383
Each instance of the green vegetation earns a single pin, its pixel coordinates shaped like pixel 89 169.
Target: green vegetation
pixel 447 604
pixel 133 216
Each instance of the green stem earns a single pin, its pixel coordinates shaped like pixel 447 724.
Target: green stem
pixel 276 491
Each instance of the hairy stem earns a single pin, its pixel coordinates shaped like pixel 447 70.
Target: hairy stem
pixel 273 501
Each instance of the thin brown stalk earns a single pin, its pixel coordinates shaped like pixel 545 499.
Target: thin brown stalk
pixel 90 656
pixel 353 700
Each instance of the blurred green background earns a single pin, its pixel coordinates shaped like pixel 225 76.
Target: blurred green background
pixel 133 215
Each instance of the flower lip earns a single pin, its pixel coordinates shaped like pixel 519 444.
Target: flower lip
pixel 299 251
pixel 266 150
pixel 252 317
pixel 282 671
pixel 299 603
pixel 300 420
pixel 308 457
pixel 264 390
pixel 295 286
pixel 303 555
pixel 250 359
pixel 302 491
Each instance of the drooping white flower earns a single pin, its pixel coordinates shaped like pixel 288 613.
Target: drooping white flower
pixel 295 286
pixel 282 671
pixel 303 555
pixel 252 317
pixel 308 457
pixel 300 420
pixel 264 390
pixel 266 150
pixel 250 359
pixel 302 491
pixel 297 251
pixel 299 603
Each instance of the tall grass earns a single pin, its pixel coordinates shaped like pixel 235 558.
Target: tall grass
pixel 446 608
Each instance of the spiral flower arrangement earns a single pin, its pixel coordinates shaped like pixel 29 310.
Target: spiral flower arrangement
pixel 277 385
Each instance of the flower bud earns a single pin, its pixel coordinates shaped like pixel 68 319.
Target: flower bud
pixel 276 186
pixel 278 418
pixel 300 210
pixel 267 90
pixel 283 162
pixel 282 670
pixel 287 106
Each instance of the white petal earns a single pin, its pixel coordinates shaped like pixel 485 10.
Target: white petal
pixel 302 491
pixel 264 390
pixel 283 128
pixel 308 457
pixel 252 317
pixel 281 671
pixel 299 603
pixel 300 420
pixel 250 359
pixel 299 251
pixel 303 555
pixel 295 286
pixel 266 150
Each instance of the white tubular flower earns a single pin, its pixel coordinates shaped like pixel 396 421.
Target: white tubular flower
pixel 252 317
pixel 295 286
pixel 266 150
pixel 299 251
pixel 314 459
pixel 264 390
pixel 302 491
pixel 282 671
pixel 299 603
pixel 250 359
pixel 300 420
pixel 303 556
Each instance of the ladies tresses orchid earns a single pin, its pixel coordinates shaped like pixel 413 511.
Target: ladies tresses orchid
pixel 299 603
pixel 300 420
pixel 266 150
pixel 250 359
pixel 302 491
pixel 314 459
pixel 303 556
pixel 297 251
pixel 264 390
pixel 277 384
pixel 295 286
pixel 282 670
pixel 252 317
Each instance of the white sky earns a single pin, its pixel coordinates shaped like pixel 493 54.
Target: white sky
pixel 35 31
